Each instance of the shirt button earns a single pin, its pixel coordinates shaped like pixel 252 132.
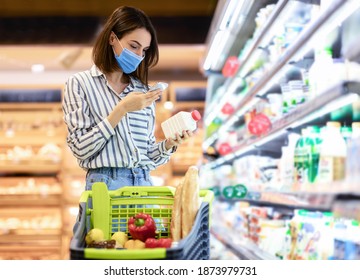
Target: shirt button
pixel 129 132
pixel 135 150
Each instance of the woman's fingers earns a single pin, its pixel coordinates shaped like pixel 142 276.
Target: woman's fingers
pixel 152 96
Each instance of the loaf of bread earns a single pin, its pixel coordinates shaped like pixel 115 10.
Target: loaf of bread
pixel 189 200
pixel 175 225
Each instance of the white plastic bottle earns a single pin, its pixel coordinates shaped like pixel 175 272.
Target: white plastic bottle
pixel 180 122
pixel 321 72
pixel 353 159
pixel 332 155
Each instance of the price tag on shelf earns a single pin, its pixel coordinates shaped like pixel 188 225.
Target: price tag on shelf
pixel 234 192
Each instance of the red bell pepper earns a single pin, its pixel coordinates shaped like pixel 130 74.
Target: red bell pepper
pixel 142 226
pixel 158 243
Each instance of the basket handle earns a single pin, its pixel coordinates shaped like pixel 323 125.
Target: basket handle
pixel 140 191
pixel 207 196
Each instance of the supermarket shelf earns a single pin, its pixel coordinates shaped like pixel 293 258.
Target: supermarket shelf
pixel 305 200
pixel 314 200
pixel 347 208
pixel 219 251
pixel 37 237
pixel 28 200
pixel 242 248
pixel 32 106
pixel 303 114
pixel 29 253
pixel 304 37
pixel 35 139
pixel 33 167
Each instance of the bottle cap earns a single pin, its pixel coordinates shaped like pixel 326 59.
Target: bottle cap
pixel 333 124
pixel 196 115
pixel 355 124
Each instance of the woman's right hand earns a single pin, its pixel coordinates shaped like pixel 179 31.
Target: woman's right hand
pixel 135 101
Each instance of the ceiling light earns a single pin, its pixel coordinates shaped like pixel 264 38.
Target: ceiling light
pixel 168 105
pixel 37 68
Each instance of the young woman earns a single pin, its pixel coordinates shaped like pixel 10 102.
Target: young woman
pixel 108 110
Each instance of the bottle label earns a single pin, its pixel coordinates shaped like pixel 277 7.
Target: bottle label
pixel 301 164
pixel 331 169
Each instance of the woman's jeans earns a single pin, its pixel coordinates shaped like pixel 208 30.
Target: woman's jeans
pixel 116 178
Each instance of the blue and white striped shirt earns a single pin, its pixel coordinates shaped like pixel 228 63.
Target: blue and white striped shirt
pixel 88 100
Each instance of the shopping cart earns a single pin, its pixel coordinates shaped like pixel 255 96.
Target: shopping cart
pixel 110 211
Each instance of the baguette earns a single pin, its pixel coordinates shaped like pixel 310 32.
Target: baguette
pixel 190 200
pixel 175 225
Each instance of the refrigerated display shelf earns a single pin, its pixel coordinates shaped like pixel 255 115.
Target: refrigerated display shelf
pixel 305 113
pixel 318 199
pixel 348 208
pixel 219 251
pixel 294 200
pixel 244 249
pixel 304 37
pixel 220 100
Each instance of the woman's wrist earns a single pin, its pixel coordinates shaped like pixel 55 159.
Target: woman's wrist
pixel 117 114
pixel 168 145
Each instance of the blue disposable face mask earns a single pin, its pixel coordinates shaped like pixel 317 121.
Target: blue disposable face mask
pixel 127 60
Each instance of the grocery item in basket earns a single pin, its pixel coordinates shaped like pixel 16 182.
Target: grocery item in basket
pixel 190 200
pixel 94 235
pixel 120 237
pixel 158 243
pixel 142 226
pixel 175 226
pixel 134 244
pixel 106 244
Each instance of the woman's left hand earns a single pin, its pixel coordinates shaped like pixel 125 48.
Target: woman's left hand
pixel 170 143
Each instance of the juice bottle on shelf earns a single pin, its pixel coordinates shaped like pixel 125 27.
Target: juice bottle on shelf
pixel 332 154
pixel 301 162
pixel 306 157
pixel 286 163
pixel 313 142
pixel 179 122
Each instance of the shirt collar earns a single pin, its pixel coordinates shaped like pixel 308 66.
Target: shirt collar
pixel 134 83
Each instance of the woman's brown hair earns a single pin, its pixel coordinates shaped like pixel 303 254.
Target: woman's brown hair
pixel 122 21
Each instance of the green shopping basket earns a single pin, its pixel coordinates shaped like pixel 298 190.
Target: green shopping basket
pixel 110 211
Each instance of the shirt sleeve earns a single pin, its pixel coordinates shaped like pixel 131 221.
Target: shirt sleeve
pixel 85 138
pixel 157 151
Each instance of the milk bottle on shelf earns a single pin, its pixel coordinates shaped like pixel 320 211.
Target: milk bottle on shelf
pixel 180 122
pixel 353 158
pixel 332 154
